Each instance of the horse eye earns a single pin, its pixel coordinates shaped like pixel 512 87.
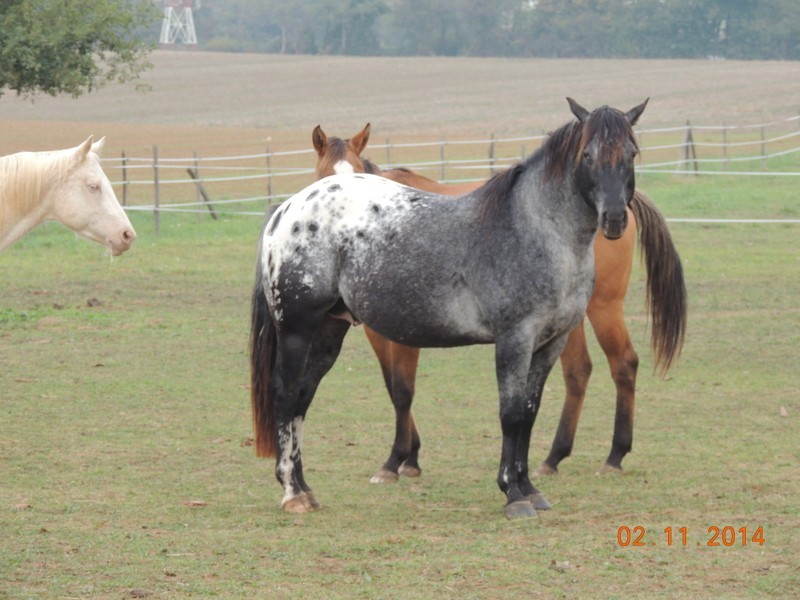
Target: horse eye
pixel 94 187
pixel 587 157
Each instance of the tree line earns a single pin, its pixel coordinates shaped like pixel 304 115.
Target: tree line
pixel 69 47
pixel 735 29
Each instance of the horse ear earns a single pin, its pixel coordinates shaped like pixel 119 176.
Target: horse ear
pixel 633 114
pixel 581 113
pixel 359 141
pixel 320 140
pixel 80 153
pixel 97 147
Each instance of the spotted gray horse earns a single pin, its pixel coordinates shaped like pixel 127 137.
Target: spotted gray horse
pixel 509 264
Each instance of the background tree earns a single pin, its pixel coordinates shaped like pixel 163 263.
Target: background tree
pixel 67 47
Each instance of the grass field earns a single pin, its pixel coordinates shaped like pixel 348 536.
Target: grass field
pixel 125 461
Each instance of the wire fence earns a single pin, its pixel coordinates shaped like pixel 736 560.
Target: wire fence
pixel 247 184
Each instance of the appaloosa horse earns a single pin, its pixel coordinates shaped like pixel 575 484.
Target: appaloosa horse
pixel 510 264
pixel 67 186
pixel 666 296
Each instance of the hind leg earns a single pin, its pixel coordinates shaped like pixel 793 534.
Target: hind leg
pixel 612 334
pixel 399 366
pixel 315 353
pixel 613 262
pixel 576 365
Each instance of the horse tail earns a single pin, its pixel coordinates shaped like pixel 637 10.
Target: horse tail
pixel 263 343
pixel 666 289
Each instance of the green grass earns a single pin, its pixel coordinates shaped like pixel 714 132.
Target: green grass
pixel 124 435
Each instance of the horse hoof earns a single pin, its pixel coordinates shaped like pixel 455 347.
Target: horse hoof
pixel 545 469
pixel 408 471
pixel 608 468
pixel 302 503
pixel 519 509
pixel 384 476
pixel 539 501
pixel 312 499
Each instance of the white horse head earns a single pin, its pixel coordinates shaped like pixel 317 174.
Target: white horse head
pixel 68 186
pixel 86 203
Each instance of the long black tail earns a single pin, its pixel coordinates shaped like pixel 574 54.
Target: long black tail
pixel 263 343
pixel 666 289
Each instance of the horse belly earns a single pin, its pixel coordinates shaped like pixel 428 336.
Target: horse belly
pixel 420 316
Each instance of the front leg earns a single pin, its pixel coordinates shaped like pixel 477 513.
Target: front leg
pixel 512 363
pixel 521 374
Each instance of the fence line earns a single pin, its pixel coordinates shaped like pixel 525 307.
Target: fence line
pixel 272 176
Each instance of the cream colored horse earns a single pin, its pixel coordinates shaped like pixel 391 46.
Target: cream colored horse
pixel 68 186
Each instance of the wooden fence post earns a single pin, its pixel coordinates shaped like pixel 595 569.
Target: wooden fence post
pixel 197 176
pixel 202 191
pixel 156 194
pixel 763 150
pixel 688 150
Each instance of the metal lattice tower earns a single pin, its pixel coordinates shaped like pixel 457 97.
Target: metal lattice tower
pixel 178 24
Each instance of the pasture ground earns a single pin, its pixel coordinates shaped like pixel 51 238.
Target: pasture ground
pixel 124 425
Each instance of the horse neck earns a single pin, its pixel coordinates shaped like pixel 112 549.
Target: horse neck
pixel 557 201
pixel 26 180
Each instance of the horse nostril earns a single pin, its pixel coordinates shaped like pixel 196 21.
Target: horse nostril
pixel 128 236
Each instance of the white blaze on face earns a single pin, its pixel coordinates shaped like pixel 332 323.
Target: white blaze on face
pixel 343 167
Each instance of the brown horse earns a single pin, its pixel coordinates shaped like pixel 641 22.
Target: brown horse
pixel 666 296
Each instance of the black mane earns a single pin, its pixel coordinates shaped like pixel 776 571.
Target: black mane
pixel 560 150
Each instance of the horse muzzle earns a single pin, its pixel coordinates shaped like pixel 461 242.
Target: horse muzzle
pixel 121 242
pixel 613 226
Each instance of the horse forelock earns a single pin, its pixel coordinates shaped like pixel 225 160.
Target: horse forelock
pixel 565 146
pixel 334 152
pixel 614 130
pixel 339 151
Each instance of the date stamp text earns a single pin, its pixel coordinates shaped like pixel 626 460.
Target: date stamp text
pixel 715 535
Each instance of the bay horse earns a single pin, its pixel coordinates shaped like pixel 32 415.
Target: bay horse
pixel 666 296
pixel 510 264
pixel 68 186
